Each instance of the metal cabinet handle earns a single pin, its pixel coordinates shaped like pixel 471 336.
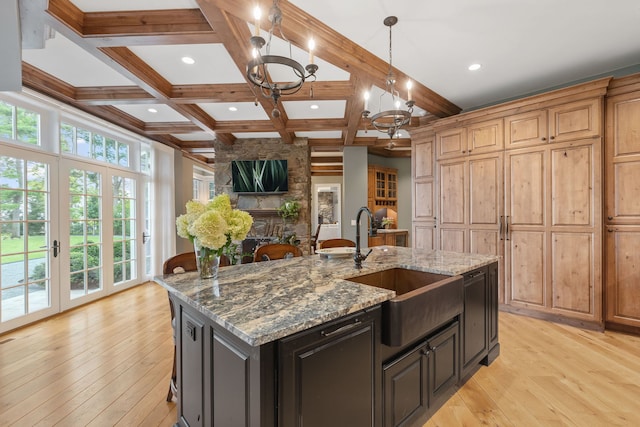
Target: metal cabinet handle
pixel 343 328
pixel 500 227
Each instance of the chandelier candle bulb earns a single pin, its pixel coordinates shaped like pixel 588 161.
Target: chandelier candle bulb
pixel 312 45
pixel 409 85
pixel 366 100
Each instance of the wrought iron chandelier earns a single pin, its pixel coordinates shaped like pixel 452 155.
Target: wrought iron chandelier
pixel 258 66
pixel 390 121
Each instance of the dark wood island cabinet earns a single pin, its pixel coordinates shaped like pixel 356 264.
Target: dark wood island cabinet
pixel 252 352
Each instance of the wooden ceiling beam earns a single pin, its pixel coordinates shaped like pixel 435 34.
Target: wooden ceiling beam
pixel 147 22
pixel 322 168
pixel 235 36
pixel 336 49
pixel 160 128
pixel 109 95
pixel 326 159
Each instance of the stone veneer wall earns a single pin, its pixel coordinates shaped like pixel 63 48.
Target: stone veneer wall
pixel 267 223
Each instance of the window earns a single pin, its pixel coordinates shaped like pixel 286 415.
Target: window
pixel 19 124
pixel 85 143
pixel 196 189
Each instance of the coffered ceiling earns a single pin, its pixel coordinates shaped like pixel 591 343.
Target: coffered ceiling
pixel 121 60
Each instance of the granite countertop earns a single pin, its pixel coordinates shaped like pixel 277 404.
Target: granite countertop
pixel 265 301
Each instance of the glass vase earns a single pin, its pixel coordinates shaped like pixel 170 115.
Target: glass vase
pixel 207 261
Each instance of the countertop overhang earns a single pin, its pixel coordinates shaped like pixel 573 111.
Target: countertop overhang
pixel 265 301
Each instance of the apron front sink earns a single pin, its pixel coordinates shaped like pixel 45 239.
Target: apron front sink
pixel 423 302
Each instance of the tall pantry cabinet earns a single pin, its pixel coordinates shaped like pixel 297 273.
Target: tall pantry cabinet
pixel 622 209
pixel 522 180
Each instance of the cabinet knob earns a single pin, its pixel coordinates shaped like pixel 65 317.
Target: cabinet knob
pixel 610 230
pixel 543 139
pixel 552 137
pixel 609 218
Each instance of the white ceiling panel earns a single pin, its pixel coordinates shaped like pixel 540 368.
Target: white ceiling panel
pixel 212 63
pixel 72 64
pixel 163 114
pixel 194 136
pixel 249 135
pixel 244 111
pixel 320 134
pixel 325 110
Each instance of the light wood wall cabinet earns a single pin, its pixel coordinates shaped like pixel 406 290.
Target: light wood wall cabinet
pixel 523 180
pixel 423 178
pixel 623 205
pixel 475 138
pixel 565 122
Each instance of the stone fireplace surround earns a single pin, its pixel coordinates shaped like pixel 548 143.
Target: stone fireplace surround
pixel 267 224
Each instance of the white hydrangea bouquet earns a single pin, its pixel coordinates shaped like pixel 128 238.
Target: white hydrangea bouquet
pixel 213 227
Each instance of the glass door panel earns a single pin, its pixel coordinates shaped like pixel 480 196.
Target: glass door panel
pixel 82 220
pixel 27 270
pixel 125 236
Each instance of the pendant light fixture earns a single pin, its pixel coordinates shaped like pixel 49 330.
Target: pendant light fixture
pixel 259 66
pixel 390 121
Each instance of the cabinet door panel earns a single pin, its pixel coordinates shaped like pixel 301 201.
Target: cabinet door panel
pixel 572 273
pixel 444 362
pixel 231 385
pixel 484 242
pixel 405 388
pixel 623 281
pixel 423 200
pixel 424 160
pixel 625 135
pixel 424 236
pixel 575 120
pixel 452 240
pixel 485 179
pixel 526 188
pixel 451 143
pixel 626 183
pixel 572 185
pixel 486 136
pixel 526 129
pixel 452 193
pixel 526 275
pixel 191 390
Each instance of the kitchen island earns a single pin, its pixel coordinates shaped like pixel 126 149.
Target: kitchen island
pixel 288 342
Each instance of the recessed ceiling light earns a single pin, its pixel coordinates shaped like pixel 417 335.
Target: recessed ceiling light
pixel 474 67
pixel 314 106
pixel 152 110
pixel 188 60
pixel 233 108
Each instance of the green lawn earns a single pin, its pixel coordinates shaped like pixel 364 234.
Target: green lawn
pixel 16 246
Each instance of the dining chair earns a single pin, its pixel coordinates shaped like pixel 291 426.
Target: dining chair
pixel 180 263
pixel 336 243
pixel 272 251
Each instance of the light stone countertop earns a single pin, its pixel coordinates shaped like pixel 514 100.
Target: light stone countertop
pixel 265 301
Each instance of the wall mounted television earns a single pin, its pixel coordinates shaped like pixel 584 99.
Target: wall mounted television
pixel 259 176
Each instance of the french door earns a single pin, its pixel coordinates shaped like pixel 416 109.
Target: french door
pixel 70 232
pixel 102 221
pixel 29 239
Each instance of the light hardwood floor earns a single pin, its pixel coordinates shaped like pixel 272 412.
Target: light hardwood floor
pixel 108 363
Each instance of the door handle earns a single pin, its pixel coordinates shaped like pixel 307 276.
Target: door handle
pixel 56 248
pixel 145 237
pixel 500 227
pixel 507 228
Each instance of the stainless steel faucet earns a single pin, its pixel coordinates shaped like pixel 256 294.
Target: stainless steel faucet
pixel 359 257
